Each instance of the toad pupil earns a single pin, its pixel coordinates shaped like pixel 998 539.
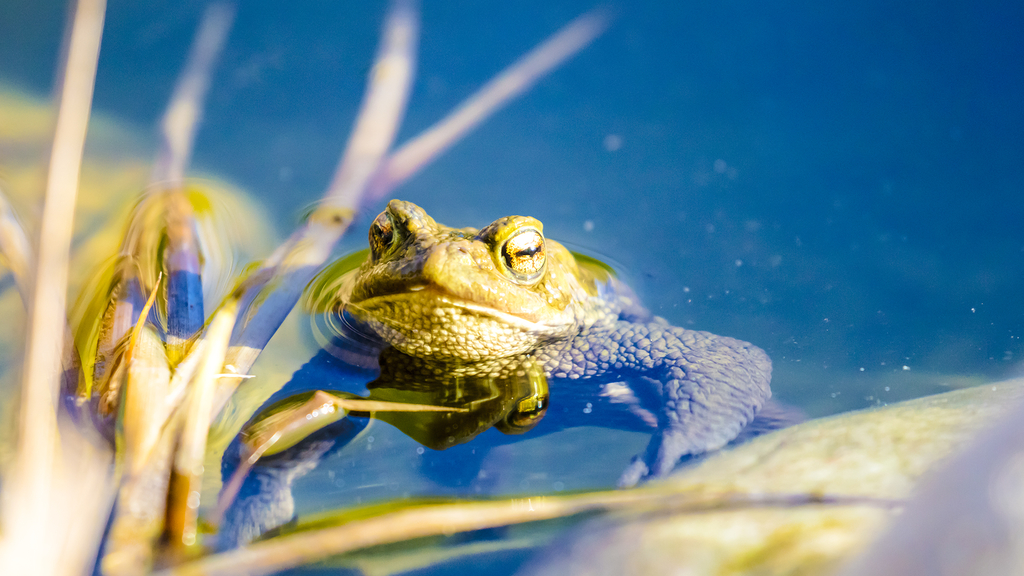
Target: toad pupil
pixel 523 254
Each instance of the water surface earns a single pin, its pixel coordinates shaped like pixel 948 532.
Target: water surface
pixel 840 185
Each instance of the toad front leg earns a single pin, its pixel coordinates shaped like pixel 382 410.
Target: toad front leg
pixel 709 387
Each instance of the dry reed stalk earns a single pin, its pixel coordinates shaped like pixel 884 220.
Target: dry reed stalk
pixel 41 477
pixel 187 474
pixel 508 85
pixel 184 112
pixel 15 250
pixel 423 520
pixel 271 292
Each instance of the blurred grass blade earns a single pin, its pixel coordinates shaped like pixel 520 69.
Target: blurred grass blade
pixel 16 254
pixel 184 112
pixel 502 89
pixel 338 533
pixel 383 106
pixel 144 406
pixel 187 474
pixel 182 258
pixel 289 422
pixel 143 315
pixel 141 505
pixel 292 420
pixel 388 526
pixel 15 251
pixel 31 488
pixel 104 316
pixel 161 239
pixel 84 492
pixel 279 427
pixel 271 291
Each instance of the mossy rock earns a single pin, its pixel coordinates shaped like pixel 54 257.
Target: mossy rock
pixel 807 498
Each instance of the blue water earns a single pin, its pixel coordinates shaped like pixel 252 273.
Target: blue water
pixel 838 184
pixel 869 156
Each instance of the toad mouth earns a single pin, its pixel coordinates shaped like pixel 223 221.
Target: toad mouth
pixel 434 297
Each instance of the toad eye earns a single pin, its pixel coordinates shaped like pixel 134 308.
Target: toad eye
pixel 382 235
pixel 526 414
pixel 523 255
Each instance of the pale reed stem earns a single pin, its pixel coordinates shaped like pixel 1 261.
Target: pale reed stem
pixel 272 291
pixel 382 109
pixel 28 491
pixel 185 110
pixel 508 85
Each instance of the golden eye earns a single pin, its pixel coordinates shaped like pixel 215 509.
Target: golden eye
pixel 527 414
pixel 529 411
pixel 382 235
pixel 523 254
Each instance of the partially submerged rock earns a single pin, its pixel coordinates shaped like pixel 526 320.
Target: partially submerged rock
pixel 809 497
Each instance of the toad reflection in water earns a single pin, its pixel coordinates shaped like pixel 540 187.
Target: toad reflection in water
pixel 502 327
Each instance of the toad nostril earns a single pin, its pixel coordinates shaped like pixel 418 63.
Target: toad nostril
pixel 457 250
